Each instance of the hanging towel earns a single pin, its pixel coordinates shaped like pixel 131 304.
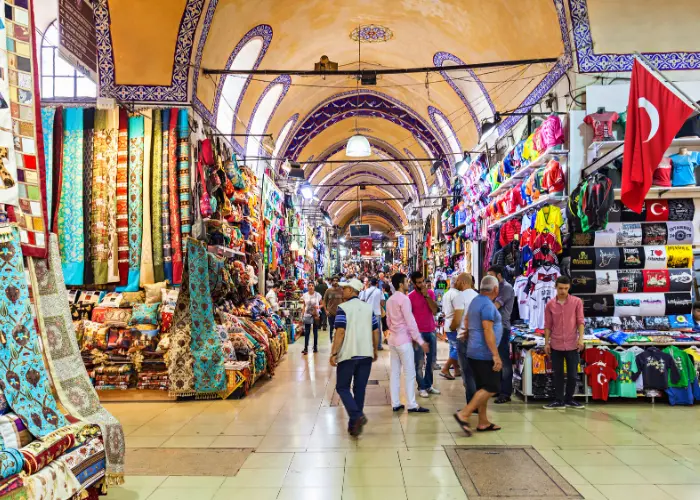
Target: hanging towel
pixel 156 197
pixel 146 241
pixel 47 121
pixel 183 156
pixel 88 154
pixel 165 197
pixel 110 157
pixel 70 210
pixel 122 197
pixel 174 194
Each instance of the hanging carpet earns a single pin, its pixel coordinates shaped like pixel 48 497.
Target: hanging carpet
pixel 123 197
pixel 165 197
pixel 146 274
pixel 183 157
pixel 175 221
pixel 156 197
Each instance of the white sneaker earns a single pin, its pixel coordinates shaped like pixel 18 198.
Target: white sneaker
pixel 423 394
pixel 433 390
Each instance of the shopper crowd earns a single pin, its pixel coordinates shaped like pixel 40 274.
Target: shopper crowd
pixel 364 313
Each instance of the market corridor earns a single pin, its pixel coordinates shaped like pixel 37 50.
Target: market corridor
pixel 302 449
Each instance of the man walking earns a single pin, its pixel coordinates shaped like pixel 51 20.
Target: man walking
pixel 404 331
pixel 485 332
pixel 504 304
pixel 453 308
pixel 563 337
pixel 321 288
pixel 331 299
pixel 353 350
pixel 469 294
pixel 374 296
pixel 424 310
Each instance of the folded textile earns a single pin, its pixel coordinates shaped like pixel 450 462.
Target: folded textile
pixel 87 462
pixel 12 488
pixel 38 454
pixel 13 432
pixel 11 462
pixel 53 482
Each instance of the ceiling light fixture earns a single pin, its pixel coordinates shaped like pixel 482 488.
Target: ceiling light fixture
pixel 462 165
pixel 488 126
pixel 307 191
pixel 358 146
pixel 434 190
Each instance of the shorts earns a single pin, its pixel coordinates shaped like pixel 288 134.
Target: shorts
pixel 452 340
pixel 484 376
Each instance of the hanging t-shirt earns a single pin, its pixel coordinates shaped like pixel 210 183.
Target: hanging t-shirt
pixel 680 233
pixel 662 173
pixel 629 215
pixel 542 292
pixel 582 258
pixel 681 280
pixel 520 288
pixel 627 305
pixel 632 258
pixel 656 280
pixel 602 125
pixel 683 173
pixel 606 282
pixel 685 366
pixel 607 258
pixel 678 303
pixel 627 368
pixel 654 233
pixel 583 282
pixel 657 210
pixel 655 257
pixel 629 281
pixel 615 213
pixel 549 219
pixel 679 256
pixel 599 377
pixel 657 368
pixel 681 209
pixel 608 236
pixel 614 385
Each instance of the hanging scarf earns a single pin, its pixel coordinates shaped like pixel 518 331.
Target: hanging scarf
pixel 111 149
pixel 57 173
pixel 98 212
pixel 26 385
pixel 179 356
pixel 156 197
pixel 88 154
pixel 174 194
pixel 183 156
pixel 146 242
pixel 47 121
pixel 205 344
pixel 65 364
pixel 70 211
pixel 122 197
pixel 165 198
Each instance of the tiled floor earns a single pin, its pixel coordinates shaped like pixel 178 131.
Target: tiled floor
pixel 302 450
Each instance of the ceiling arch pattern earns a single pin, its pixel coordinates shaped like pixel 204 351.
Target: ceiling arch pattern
pixel 367 194
pixel 367 213
pixel 447 132
pixel 374 201
pixel 285 81
pixel 410 155
pixel 283 134
pixel 343 175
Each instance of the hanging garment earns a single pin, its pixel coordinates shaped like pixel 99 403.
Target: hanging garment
pixel 88 154
pixel 111 152
pixel 183 157
pixel 70 211
pixel 122 197
pixel 47 121
pixel 165 197
pixel 179 356
pixel 174 195
pixel 65 364
pixel 156 198
pixel 26 385
pixel 146 276
pixel 205 345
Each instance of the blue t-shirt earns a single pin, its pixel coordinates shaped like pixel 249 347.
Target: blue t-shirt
pixel 482 309
pixel 683 173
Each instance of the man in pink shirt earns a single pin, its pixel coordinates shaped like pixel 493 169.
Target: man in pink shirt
pixel 404 331
pixel 563 334
pixel 424 310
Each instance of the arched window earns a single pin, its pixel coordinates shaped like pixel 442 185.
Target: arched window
pixel 59 79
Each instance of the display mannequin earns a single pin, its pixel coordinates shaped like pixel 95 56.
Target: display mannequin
pixel 602 124
pixel 683 167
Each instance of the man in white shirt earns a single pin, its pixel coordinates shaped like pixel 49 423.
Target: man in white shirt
pixel 374 296
pixel 469 294
pixel 272 299
pixel 453 308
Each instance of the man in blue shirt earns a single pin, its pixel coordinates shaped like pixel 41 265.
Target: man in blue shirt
pixel 485 331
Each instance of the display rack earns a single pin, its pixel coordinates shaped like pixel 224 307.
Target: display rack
pixel 612 150
pixel 523 173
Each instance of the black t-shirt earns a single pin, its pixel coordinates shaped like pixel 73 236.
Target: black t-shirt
pixel 681 209
pixel 629 281
pixel 628 215
pixel 654 366
pixel 583 239
pixel 654 233
pixel 583 282
pixel 607 258
pixel 598 305
pixel 632 323
pixel 632 258
pixel 615 213
pixel 582 258
pixel 681 280
pixel 678 303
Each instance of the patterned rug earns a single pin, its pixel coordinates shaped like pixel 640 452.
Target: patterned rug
pixel 179 356
pixel 156 197
pixel 135 201
pixel 165 197
pixel 72 385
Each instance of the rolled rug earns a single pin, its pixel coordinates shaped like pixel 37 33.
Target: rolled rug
pixel 11 462
pixel 38 454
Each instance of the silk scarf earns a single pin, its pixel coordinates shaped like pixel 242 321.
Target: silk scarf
pixel 183 157
pixel 111 152
pixel 26 385
pixel 47 121
pixel 179 356
pixel 122 197
pixel 174 194
pixel 70 379
pixel 13 489
pixel 156 197
pixel 57 171
pixel 146 275
pixel 98 211
pixel 39 454
pixel 165 198
pixel 88 155
pixel 205 345
pixel 70 210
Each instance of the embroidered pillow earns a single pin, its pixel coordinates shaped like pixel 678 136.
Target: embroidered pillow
pixel 154 292
pixel 117 317
pixel 145 314
pixel 112 299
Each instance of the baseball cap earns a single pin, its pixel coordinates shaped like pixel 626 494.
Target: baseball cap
pixel 353 283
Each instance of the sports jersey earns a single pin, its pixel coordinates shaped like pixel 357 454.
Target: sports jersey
pixel 542 292
pixel 683 171
pixel 553 180
pixel 549 219
pixel 539 257
pixel 548 239
pixel 662 173
pixel 529 151
pixel 520 288
pixel 551 133
pixel 602 124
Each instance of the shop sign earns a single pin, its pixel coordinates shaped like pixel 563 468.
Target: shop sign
pixel 77 40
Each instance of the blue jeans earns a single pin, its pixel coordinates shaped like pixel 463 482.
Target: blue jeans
pixel 331 324
pixel 424 362
pixel 507 371
pixel 307 334
pixel 452 340
pixel 355 371
pixel 467 375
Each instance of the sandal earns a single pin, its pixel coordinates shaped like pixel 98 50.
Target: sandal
pixel 464 425
pixel 448 376
pixel 490 428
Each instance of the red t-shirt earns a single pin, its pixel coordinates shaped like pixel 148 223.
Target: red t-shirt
pixel 602 125
pixel 599 377
pixel 662 174
pixel 421 311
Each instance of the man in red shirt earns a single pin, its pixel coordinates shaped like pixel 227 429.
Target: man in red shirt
pixel 424 310
pixel 563 333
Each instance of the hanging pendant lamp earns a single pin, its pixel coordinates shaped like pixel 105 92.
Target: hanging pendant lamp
pixel 358 146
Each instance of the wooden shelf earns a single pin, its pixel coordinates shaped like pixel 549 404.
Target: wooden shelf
pixel 668 193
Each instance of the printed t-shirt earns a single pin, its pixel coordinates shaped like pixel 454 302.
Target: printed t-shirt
pixel 582 258
pixel 598 305
pixel 608 236
pixel 657 210
pixel 482 309
pixel 681 209
pixel 656 280
pixel 679 256
pixel 678 303
pixel 421 311
pixel 615 213
pixel 627 305
pixel 549 219
pixel 625 373
pixel 583 282
pixel 662 173
pixel 452 301
pixel 630 234
pixel 629 281
pixel 606 282
pixel 543 291
pixel 655 233
pixel 682 322
pixel 683 173
pixel 614 385
pixel 602 125
pixel 652 304
pixel 632 258
pixel 607 258
pixel 628 215
pixel 520 287
pixel 599 377
pixel 655 257
pixel 681 280
pixel 680 233
pixel 584 239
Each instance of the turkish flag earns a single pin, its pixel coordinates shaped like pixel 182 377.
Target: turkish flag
pixel 657 210
pixel 366 246
pixel 655 114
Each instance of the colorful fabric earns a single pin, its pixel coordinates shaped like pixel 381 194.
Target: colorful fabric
pixel 53 482
pixel 209 372
pixel 70 379
pixel 26 385
pixel 88 152
pixel 13 489
pixel 174 194
pixel 70 211
pixel 145 314
pixel 122 197
pixel 98 209
pixel 165 197
pixel 39 454
pixel 157 197
pixel 183 158
pixel 111 153
pixel 179 357
pixel 13 432
pixel 47 120
pixel 87 462
pixel 146 266
pixel 11 462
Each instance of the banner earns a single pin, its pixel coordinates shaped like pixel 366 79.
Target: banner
pixel 77 40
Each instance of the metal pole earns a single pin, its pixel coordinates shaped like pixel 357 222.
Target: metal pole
pixel 644 60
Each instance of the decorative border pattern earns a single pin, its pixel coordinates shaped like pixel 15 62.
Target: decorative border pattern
pixel 293 120
pixel 438 60
pixel 590 62
pixel 177 91
pixel 445 175
pixel 376 199
pixel 433 111
pixel 285 81
pixel 198 105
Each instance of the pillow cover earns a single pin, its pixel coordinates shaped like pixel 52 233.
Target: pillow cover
pixel 154 292
pixel 145 314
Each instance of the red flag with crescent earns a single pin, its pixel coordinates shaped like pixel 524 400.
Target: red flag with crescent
pixel 655 114
pixel 366 246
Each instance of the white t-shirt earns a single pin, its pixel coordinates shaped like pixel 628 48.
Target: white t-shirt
pixel 452 301
pixel 272 299
pixel 468 295
pixel 312 303
pixel 521 295
pixel 544 290
pixel 373 296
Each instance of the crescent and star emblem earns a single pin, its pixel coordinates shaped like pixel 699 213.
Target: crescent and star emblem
pixel 654 205
pixel 653 113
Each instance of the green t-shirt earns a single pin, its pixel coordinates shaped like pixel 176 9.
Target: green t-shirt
pixel 614 385
pixel 626 367
pixel 685 366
